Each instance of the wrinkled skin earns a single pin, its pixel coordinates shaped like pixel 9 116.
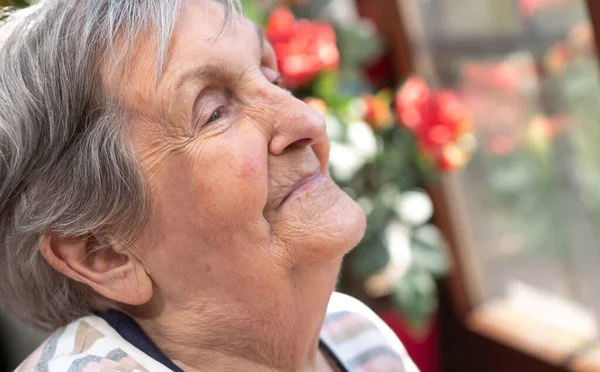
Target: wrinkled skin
pixel 235 269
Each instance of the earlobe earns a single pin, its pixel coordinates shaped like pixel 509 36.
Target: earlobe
pixel 115 274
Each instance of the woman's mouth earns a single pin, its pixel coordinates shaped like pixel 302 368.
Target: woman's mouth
pixel 304 185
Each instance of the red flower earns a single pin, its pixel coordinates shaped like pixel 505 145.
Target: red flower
pixel 435 118
pixel 511 77
pixel 280 25
pixel 410 102
pixel 501 145
pixel 444 120
pixel 303 48
pixel 438 121
pixel 530 7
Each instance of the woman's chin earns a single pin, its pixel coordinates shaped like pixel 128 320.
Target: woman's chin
pixel 324 222
pixel 353 223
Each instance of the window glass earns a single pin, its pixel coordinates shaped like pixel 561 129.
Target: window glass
pixel 529 74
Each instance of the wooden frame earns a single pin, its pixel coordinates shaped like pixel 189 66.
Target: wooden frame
pixel 594 12
pixel 476 337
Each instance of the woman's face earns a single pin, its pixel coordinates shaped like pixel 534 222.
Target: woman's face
pixel 243 207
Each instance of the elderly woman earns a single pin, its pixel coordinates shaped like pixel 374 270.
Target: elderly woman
pixel 165 203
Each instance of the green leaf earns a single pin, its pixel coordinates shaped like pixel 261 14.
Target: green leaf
pixel 326 87
pixel 21 3
pixel 416 297
pixel 254 12
pixel 430 250
pixel 358 44
pixel 369 257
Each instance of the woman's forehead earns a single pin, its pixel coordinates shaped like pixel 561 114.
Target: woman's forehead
pixel 203 39
pixel 208 23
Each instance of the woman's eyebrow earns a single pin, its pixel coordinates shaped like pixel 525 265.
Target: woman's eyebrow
pixel 219 71
pixel 209 72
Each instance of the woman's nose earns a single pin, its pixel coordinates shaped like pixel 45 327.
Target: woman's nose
pixel 297 126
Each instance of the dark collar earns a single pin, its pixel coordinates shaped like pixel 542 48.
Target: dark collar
pixel 133 333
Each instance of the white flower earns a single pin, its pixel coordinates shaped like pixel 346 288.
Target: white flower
pixel 361 136
pixel 366 204
pixel 335 129
pixel 345 161
pixel 383 282
pixel 414 207
pixel 342 11
pixel 397 235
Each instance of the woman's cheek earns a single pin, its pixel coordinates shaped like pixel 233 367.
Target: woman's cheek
pixel 241 175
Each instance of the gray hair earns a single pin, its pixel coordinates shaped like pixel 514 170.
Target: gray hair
pixel 66 165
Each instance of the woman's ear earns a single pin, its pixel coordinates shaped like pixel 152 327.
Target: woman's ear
pixel 115 274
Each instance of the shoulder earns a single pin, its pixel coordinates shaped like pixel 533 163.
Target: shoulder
pixel 88 344
pixel 362 340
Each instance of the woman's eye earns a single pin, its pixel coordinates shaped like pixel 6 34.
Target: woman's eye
pixel 215 115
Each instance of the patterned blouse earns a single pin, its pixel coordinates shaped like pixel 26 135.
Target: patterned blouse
pixel 355 339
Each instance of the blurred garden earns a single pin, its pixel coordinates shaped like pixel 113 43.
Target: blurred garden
pixel 501 101
pixel 388 138
pixel 383 143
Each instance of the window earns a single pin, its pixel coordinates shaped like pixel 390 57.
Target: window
pixel 527 207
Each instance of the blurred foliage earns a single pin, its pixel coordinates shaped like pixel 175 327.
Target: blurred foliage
pixel 384 144
pixel 16 3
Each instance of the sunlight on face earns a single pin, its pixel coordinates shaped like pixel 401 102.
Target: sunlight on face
pixel 242 204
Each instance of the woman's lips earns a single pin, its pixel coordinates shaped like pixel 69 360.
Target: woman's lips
pixel 303 185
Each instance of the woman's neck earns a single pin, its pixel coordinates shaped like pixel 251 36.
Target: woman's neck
pixel 315 361
pixel 186 349
pixel 321 363
pixel 257 334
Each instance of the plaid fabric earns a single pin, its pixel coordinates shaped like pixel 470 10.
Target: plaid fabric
pixel 361 340
pixel 358 338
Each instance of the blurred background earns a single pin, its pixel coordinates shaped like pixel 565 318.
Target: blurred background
pixel 469 132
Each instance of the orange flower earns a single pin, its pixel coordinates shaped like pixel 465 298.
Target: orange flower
pixel 556 59
pixel 452 158
pixel 540 132
pixel 318 104
pixel 542 127
pixel 378 113
pixel 303 48
pixel 581 38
